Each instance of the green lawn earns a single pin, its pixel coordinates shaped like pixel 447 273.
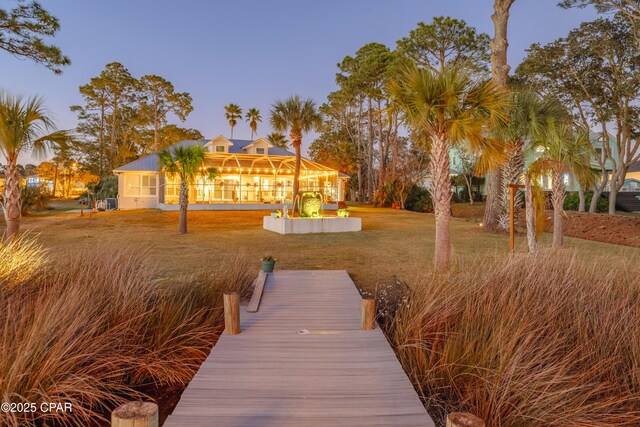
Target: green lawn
pixel 392 242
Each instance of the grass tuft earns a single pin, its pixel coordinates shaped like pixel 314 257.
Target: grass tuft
pixel 94 328
pixel 549 340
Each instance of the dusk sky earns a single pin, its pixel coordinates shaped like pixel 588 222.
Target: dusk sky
pixel 247 52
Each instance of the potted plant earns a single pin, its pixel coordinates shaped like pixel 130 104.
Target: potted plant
pixel 274 214
pixel 268 263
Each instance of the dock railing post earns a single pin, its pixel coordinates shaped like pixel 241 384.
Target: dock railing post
pixel 462 419
pixel 368 314
pixel 135 414
pixel 231 313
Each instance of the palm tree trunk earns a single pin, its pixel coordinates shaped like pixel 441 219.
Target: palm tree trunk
pixel 510 174
pixel 530 215
pixel 499 74
pixel 11 206
pixel 441 193
pixel 558 209
pixel 184 205
pixel 581 198
pixel 296 141
pixel 492 208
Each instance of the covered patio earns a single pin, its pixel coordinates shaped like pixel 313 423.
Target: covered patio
pixel 254 179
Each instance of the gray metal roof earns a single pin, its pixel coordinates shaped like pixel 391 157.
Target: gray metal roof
pixel 150 163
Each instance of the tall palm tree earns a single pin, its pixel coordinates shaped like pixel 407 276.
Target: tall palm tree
pixel 445 108
pixel 24 126
pixel 278 139
pixel 529 117
pixel 565 151
pixel 186 162
pixel 253 117
pixel 298 117
pixel 232 113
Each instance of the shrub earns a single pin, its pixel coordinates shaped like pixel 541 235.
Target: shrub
pixel 91 329
pixel 546 340
pixel 572 202
pixel 419 200
pixel 107 187
pixel 33 199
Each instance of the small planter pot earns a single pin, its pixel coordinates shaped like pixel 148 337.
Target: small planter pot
pixel 268 266
pixel 274 215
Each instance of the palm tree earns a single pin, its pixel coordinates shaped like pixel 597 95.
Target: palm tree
pixel 278 139
pixel 186 162
pixel 298 117
pixel 233 112
pixel 24 126
pixel 528 117
pixel 446 108
pixel 253 117
pixel 565 151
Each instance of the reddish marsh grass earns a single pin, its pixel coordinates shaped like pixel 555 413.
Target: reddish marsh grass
pixel 530 341
pixel 90 330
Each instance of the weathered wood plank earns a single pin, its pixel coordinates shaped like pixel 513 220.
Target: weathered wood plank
pixel 302 359
pixel 258 287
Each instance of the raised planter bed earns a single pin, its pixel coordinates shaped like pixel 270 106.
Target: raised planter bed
pixel 311 225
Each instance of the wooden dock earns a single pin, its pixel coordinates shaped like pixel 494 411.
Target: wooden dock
pixel 302 360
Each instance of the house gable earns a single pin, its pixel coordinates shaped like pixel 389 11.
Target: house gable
pixel 219 144
pixel 259 146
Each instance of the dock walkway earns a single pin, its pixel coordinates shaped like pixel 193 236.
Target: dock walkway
pixel 302 360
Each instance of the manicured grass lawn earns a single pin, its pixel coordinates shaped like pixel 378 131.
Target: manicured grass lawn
pixel 392 242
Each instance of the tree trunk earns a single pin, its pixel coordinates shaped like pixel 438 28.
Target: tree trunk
pixel 184 205
pixel 597 192
pixel 296 141
pixel 370 155
pixel 441 193
pixel 500 43
pixel 558 196
pixel 616 184
pixel 101 136
pixel 382 152
pixel 510 174
pixel 499 74
pixel 492 208
pixel 581 199
pixel 360 155
pixel 530 215
pixel 11 204
pixel 112 149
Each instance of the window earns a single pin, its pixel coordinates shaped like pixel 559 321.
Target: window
pixel 220 149
pixel 598 153
pixel 148 185
pixel 140 185
pixel 259 150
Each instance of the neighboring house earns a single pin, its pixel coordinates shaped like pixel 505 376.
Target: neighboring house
pixel 34 181
pixel 249 174
pixel 632 182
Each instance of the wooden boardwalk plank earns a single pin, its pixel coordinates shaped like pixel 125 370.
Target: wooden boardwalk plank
pixel 256 296
pixel 302 360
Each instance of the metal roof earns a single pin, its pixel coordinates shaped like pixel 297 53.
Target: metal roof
pixel 150 163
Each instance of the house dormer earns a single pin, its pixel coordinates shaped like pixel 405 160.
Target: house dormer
pixel 259 146
pixel 218 144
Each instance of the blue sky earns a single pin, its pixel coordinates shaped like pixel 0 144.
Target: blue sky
pixel 247 52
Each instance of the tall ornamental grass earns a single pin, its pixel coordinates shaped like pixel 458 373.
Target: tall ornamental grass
pixel 549 340
pixel 93 328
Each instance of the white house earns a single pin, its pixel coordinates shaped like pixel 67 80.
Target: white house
pixel 250 175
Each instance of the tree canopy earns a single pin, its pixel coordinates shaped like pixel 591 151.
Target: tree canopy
pixel 21 34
